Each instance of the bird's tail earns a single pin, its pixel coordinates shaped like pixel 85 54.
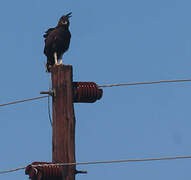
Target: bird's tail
pixel 49 64
pixel 48 67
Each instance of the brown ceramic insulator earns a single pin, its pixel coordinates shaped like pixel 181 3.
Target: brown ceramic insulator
pixel 86 92
pixel 46 172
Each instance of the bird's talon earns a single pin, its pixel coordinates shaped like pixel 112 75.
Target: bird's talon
pixel 55 58
pixel 61 62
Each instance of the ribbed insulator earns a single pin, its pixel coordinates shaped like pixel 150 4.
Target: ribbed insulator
pixel 86 92
pixel 44 171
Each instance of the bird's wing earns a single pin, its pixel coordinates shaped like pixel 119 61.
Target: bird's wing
pixel 48 32
pixel 51 41
pixel 57 40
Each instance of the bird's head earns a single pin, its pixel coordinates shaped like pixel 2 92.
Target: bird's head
pixel 64 20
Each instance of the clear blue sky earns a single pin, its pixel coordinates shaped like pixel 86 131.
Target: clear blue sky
pixel 112 42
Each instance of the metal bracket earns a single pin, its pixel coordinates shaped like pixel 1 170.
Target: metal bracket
pixel 80 172
pixel 51 92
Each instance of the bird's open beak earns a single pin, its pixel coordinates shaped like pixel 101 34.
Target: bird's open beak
pixel 69 15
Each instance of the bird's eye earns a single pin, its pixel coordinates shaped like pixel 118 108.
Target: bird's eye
pixel 64 22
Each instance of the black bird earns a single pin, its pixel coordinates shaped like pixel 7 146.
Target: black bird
pixel 57 41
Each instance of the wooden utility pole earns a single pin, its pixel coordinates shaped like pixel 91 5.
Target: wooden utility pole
pixel 63 139
pixel 64 92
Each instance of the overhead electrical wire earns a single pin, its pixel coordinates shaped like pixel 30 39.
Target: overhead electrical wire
pixel 49 114
pixel 24 100
pixel 49 89
pixel 101 162
pixel 109 161
pixel 145 82
pixel 107 85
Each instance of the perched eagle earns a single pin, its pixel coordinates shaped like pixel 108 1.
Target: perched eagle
pixel 57 41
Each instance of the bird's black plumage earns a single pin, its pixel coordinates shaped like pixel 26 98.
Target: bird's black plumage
pixel 57 40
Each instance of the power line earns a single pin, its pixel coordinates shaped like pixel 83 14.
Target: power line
pixel 24 100
pixel 49 89
pixel 12 170
pixel 107 85
pixel 146 82
pixel 101 162
pixel 118 161
pixel 49 114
